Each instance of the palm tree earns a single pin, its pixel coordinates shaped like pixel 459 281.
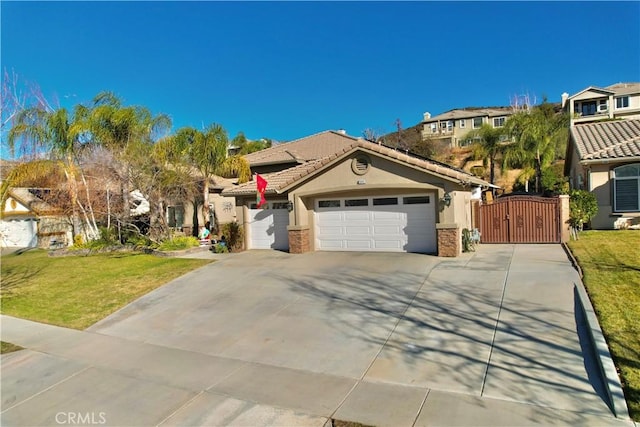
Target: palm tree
pixel 127 132
pixel 489 144
pixel 537 134
pixel 206 151
pixel 59 134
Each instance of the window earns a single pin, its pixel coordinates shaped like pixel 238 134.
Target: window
pixel 434 128
pixel 280 205
pixel 602 106
pixel 415 200
pixel 329 204
pixel 477 122
pixel 175 216
pixel 356 202
pixel 498 122
pixel 588 108
pixel 627 188
pixel 463 123
pixel 622 102
pixel 385 201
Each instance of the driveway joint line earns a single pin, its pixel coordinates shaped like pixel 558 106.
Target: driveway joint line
pixel 415 420
pixel 184 405
pixel 47 389
pixel 495 328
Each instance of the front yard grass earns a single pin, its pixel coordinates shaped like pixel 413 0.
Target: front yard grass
pixel 7 347
pixel 77 291
pixel 610 261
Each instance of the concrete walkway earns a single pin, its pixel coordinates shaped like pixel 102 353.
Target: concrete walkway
pixel 266 338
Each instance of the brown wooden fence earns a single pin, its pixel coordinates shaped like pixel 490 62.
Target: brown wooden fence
pixel 520 219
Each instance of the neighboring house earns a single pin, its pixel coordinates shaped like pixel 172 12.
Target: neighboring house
pixel 334 192
pixel 180 213
pixel 618 101
pixel 452 127
pixel 29 222
pixel 604 158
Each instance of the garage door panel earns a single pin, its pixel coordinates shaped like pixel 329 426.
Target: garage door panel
pixel 356 216
pixel 382 230
pixel 353 230
pixel 391 245
pixel 331 231
pixel 358 244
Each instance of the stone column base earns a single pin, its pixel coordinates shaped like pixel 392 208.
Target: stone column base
pixel 449 240
pixel 299 242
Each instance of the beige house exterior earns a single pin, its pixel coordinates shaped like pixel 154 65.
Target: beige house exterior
pixel 453 126
pixel 618 101
pixel 604 158
pixel 356 195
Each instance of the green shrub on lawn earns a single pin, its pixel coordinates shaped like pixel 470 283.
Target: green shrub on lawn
pixel 179 243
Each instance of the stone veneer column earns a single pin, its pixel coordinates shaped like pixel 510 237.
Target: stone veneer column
pixel 449 240
pixel 299 242
pixel 565 228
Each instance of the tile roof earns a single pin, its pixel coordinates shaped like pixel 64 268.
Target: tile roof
pixel 279 181
pixel 607 140
pixel 470 113
pixel 302 150
pixel 624 88
pixel 27 197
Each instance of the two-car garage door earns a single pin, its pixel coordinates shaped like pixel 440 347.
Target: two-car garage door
pixel 385 224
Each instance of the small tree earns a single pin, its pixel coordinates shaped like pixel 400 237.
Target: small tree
pixel 583 206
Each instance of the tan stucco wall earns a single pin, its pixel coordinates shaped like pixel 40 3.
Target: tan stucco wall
pixel 383 177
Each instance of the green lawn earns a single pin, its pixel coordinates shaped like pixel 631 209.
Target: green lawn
pixel 77 291
pixel 7 347
pixel 610 261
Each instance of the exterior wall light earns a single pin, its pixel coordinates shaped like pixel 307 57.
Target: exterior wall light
pixel 289 205
pixel 446 199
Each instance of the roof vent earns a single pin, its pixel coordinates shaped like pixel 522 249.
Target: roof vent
pixel 360 165
pixel 342 131
pixel 427 116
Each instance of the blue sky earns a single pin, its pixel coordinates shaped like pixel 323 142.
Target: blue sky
pixel 285 70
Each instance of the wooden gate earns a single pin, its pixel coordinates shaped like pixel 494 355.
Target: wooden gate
pixel 520 219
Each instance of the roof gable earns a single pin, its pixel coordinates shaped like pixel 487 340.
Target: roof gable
pixel 607 140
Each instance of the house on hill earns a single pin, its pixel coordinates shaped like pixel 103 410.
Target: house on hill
pixel 452 126
pixel 593 104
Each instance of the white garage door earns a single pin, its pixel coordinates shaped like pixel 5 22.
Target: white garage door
pixel 19 233
pixel 385 224
pixel 268 226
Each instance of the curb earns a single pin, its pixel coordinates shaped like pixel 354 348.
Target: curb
pixel 603 356
pixel 599 344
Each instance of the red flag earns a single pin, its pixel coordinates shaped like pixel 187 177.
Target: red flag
pixel 262 187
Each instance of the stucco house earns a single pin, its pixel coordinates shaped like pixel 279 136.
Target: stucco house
pixel 334 192
pixel 617 101
pixel 604 158
pixel 452 127
pixel 28 221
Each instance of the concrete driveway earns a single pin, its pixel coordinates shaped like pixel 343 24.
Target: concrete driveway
pixel 268 338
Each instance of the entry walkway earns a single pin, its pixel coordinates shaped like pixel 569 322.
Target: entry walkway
pixel 440 363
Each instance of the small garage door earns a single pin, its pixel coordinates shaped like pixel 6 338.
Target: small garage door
pixel 19 233
pixel 268 226
pixel 385 224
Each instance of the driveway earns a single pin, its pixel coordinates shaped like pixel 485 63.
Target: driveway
pixel 265 337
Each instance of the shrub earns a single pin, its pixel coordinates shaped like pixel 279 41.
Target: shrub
pixel 178 243
pixel 234 235
pixel 582 207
